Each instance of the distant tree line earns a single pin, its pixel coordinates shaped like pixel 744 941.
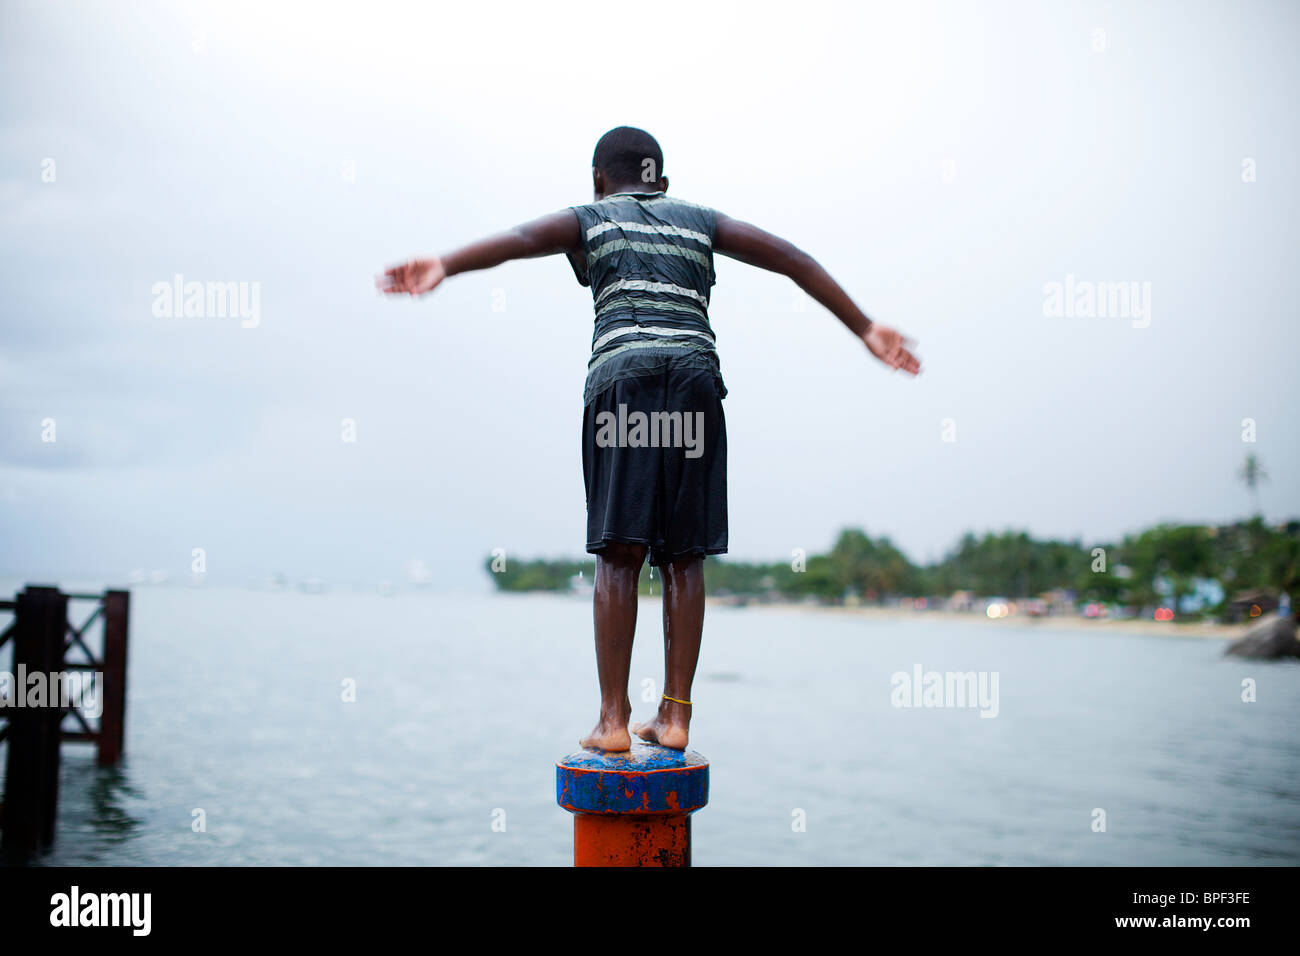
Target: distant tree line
pixel 1160 565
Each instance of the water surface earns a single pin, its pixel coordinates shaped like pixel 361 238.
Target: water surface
pixel 465 702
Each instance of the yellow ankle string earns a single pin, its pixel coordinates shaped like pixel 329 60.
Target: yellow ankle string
pixel 676 700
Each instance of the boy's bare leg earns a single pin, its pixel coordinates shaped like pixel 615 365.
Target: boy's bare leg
pixel 683 625
pixel 618 569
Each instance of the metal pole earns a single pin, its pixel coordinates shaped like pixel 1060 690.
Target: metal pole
pixel 632 808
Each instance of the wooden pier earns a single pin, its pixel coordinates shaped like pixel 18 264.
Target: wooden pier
pixel 48 646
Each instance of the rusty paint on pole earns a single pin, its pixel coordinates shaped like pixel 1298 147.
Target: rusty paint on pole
pixel 632 808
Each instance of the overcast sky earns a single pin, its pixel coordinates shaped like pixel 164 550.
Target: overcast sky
pixel 945 163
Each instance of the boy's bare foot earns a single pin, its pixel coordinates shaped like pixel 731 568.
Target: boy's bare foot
pixel 611 732
pixel 609 735
pixel 670 728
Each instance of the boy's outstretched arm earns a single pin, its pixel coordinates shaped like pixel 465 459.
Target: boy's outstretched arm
pixel 748 243
pixel 558 232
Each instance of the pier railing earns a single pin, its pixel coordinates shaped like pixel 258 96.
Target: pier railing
pixel 49 646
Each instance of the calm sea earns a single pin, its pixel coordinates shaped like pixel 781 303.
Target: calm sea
pixel 464 702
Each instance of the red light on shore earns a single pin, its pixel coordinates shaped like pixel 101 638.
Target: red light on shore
pixel 1164 614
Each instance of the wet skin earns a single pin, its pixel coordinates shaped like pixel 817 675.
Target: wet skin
pixel 618 569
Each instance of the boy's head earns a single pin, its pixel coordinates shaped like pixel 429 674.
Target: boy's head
pixel 626 159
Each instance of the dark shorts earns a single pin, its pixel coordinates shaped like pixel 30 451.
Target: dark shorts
pixel 653 478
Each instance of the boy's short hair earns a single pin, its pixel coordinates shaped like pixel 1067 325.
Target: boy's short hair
pixel 622 154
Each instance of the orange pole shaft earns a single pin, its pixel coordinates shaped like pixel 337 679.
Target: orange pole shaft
pixel 631 840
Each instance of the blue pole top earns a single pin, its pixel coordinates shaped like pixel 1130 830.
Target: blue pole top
pixel 647 779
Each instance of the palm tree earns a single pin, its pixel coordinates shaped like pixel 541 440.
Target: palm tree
pixel 1252 473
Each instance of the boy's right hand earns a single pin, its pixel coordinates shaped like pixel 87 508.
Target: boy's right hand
pixel 414 278
pixel 892 348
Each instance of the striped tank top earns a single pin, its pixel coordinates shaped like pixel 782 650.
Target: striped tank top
pixel 648 259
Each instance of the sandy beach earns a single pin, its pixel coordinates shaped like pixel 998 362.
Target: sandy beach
pixel 1196 629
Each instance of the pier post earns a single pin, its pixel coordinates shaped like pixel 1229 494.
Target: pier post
pixel 632 808
pixel 32 772
pixel 112 727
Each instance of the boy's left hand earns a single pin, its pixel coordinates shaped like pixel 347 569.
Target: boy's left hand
pixel 414 278
pixel 892 347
